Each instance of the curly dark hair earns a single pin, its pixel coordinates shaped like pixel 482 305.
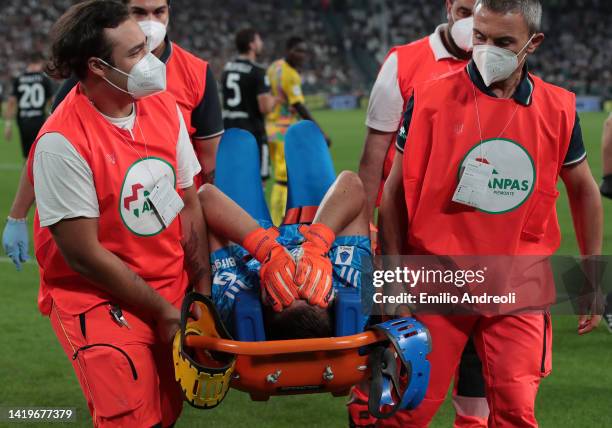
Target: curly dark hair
pixel 78 35
pixel 128 2
pixel 299 321
pixel 293 41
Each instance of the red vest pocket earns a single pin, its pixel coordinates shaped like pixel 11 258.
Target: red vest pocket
pixel 539 214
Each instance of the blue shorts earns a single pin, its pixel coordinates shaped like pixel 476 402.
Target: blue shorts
pixel 235 270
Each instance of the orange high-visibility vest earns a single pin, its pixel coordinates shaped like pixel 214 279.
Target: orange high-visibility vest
pixel 124 173
pixel 186 80
pixel 518 216
pixel 416 63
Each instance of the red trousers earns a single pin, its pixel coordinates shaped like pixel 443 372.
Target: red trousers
pixel 515 352
pixel 126 376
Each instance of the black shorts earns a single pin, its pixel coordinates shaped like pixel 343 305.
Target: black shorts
pixel 264 156
pixel 28 131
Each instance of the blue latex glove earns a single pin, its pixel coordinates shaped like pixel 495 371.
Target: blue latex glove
pixel 15 241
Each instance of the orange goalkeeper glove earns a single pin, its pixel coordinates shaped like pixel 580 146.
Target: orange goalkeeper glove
pixel 277 268
pixel 313 272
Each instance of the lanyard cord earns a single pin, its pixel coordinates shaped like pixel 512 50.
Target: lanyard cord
pixel 479 124
pixel 134 148
pixel 116 129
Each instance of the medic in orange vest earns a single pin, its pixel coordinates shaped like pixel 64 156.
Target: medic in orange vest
pixel 119 234
pixel 447 49
pixel 189 79
pixel 495 118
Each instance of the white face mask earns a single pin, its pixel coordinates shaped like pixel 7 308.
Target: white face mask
pixel 147 77
pixel 462 32
pixel 496 64
pixel 155 32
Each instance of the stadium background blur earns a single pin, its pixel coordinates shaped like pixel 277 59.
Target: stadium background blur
pixel 345 36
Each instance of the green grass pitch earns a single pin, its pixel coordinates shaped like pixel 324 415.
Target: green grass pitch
pixel 35 372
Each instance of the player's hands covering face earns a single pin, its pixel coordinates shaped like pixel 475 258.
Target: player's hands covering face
pixel 277 268
pixel 313 273
pixel 276 275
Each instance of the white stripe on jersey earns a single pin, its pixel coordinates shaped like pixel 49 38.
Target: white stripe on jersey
pixel 242 285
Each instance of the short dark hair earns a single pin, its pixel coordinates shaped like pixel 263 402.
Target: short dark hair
pixel 530 9
pixel 35 57
pixel 127 2
pixel 299 321
pixel 244 38
pixel 293 41
pixel 79 35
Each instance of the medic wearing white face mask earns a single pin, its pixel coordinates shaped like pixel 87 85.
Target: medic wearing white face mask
pixel 147 77
pixel 496 64
pixel 462 33
pixel 155 32
pixel 113 173
pixel 519 135
pixel 188 79
pixel 446 49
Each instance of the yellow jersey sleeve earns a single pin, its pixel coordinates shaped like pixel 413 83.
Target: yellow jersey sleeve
pixel 291 84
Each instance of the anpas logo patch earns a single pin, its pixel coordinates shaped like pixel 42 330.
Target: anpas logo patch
pixel 136 211
pixel 513 176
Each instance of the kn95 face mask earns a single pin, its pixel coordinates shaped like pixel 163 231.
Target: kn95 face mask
pixel 147 77
pixel 155 32
pixel 496 64
pixel 462 33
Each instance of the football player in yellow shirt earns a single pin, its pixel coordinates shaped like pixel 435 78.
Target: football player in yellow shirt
pixel 286 83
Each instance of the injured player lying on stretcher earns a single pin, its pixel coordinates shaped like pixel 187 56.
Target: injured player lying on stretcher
pixel 301 280
pixel 297 267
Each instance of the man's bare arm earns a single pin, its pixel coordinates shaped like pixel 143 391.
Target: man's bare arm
pixel 10 112
pixel 206 150
pixel 223 217
pixel 266 103
pixel 305 114
pixel 371 165
pixel 587 215
pixel 586 207
pixel 195 243
pixel 78 242
pixel 606 147
pixel 393 215
pixel 24 198
pixel 393 225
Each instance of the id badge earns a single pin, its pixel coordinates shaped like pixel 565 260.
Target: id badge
pixel 166 201
pixel 473 184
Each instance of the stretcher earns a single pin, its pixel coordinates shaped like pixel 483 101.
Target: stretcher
pixel 209 361
pixel 391 355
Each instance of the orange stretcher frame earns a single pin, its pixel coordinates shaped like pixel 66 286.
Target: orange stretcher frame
pixel 298 366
